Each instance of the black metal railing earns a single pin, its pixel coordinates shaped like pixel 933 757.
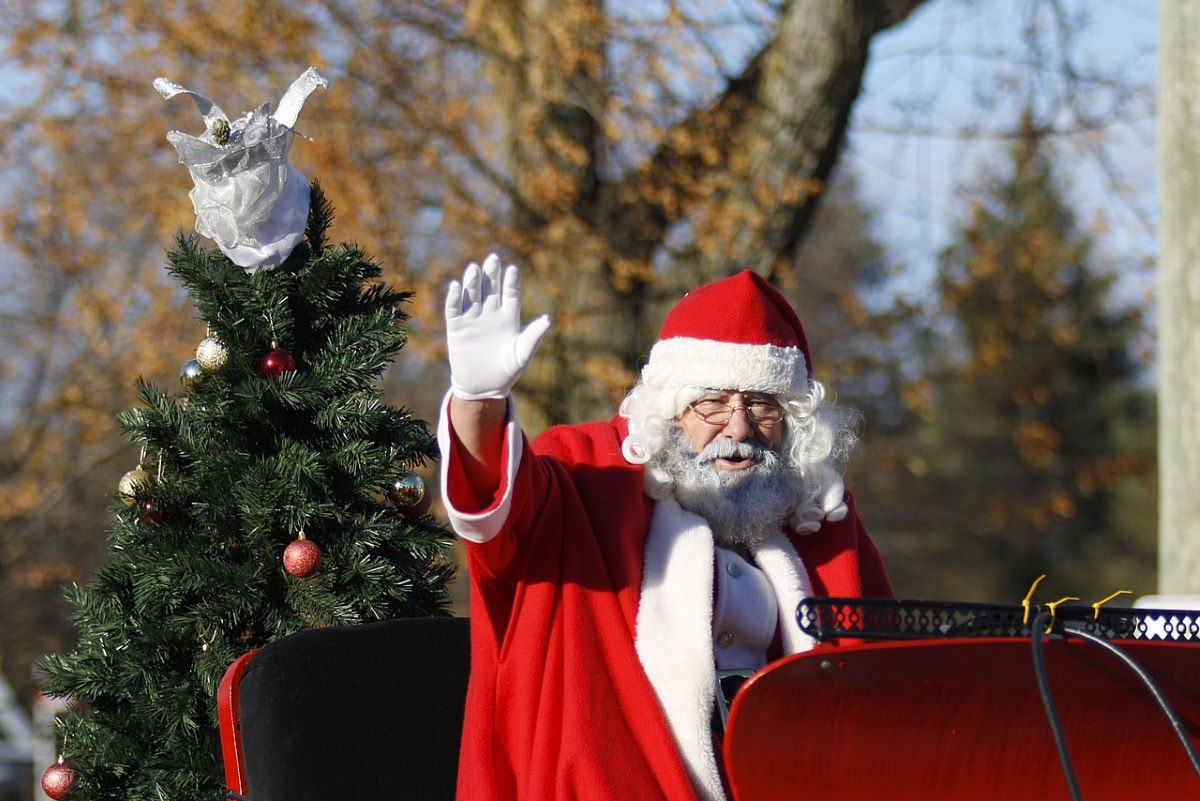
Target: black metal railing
pixel 893 619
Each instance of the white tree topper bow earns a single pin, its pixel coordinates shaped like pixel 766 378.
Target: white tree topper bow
pixel 247 197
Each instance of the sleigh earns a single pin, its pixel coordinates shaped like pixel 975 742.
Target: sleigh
pixel 935 701
pixel 917 701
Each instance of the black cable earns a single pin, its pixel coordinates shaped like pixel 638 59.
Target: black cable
pixel 1151 685
pixel 1043 682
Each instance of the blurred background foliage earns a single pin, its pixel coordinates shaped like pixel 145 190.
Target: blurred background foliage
pixel 621 153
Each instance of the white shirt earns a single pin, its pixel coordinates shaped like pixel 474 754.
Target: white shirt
pixel 745 613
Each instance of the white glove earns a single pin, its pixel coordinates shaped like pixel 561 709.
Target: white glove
pixel 488 350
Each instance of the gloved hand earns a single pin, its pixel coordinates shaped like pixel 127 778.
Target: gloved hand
pixel 488 350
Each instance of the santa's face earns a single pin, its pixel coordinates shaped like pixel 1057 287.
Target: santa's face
pixel 733 471
pixel 751 417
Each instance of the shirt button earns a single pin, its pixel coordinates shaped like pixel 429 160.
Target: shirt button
pixel 733 569
pixel 725 639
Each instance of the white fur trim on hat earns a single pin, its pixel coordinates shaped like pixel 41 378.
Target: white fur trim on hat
pixel 684 361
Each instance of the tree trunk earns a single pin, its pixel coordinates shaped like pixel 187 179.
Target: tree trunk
pixel 746 172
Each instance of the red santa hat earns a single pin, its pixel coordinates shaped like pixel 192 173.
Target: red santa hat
pixel 737 333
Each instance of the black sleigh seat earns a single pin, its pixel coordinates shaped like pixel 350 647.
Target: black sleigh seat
pixel 355 713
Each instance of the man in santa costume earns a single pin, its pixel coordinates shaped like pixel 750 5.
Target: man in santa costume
pixel 616 566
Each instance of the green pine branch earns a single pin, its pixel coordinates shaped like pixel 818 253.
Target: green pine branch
pixel 240 465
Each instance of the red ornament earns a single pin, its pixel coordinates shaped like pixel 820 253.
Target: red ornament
pixel 147 513
pixel 302 557
pixel 276 362
pixel 58 780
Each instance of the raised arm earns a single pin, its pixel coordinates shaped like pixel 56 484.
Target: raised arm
pixel 488 351
pixel 479 428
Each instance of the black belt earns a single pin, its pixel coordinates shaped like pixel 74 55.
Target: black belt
pixel 728 683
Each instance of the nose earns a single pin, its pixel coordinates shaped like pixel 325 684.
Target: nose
pixel 739 427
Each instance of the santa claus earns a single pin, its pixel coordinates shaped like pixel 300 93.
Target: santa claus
pixel 616 566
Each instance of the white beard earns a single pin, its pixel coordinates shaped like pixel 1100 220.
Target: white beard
pixel 742 507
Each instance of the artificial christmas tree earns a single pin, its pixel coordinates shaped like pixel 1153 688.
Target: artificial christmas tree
pixel 277 435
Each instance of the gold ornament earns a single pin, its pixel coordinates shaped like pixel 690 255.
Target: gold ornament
pixel 212 355
pixel 133 484
pixel 190 375
pixel 221 131
pixel 407 491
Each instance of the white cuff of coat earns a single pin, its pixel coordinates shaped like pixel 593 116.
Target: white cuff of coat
pixel 482 526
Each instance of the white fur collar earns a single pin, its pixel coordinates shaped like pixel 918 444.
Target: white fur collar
pixel 674 627
pixel 777 558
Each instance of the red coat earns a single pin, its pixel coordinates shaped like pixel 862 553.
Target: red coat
pixel 559 706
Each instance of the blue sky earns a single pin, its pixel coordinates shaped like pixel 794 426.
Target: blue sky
pixel 966 66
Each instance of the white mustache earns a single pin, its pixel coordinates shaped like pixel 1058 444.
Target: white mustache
pixel 730 449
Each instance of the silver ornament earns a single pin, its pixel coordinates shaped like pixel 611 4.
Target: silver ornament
pixel 408 490
pixel 190 375
pixel 212 355
pixel 132 485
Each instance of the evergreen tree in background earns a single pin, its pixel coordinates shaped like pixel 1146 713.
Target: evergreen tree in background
pixel 281 436
pixel 1038 433
pixel 864 336
pixel 838 267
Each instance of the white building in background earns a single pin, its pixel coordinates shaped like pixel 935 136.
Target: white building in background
pixel 16 746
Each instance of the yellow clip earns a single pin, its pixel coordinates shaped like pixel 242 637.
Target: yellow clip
pixel 1028 596
pixel 1096 606
pixel 1053 607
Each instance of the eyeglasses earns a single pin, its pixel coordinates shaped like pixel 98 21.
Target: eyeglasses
pixel 761 411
